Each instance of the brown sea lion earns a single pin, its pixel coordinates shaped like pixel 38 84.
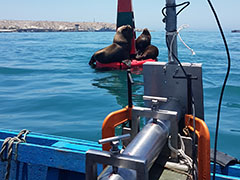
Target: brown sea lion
pixel 144 48
pixel 151 52
pixel 119 50
pixel 143 41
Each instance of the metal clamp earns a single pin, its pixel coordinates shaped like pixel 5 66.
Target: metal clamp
pixel 155 101
pixel 114 142
pixel 159 99
pixel 115 138
pixel 172 116
pixel 114 159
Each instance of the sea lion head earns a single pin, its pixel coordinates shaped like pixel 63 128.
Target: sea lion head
pixel 119 50
pixel 146 32
pixel 143 41
pixel 124 32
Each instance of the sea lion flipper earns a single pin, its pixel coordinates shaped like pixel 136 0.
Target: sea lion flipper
pixel 92 60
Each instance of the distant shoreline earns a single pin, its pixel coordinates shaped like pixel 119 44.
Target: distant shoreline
pixel 54 26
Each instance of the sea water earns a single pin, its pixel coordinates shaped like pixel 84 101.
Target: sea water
pixel 46 85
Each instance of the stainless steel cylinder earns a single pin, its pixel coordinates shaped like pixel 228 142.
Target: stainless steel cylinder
pixel 147 144
pixel 149 141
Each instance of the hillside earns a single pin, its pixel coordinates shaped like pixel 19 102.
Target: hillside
pixel 53 26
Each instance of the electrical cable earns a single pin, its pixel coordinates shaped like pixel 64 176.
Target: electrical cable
pixel 180 64
pixel 188 77
pixel 177 5
pixel 194 137
pixel 192 102
pixel 223 86
pixel 225 80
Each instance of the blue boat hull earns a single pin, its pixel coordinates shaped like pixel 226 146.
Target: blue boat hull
pixel 229 172
pixel 47 157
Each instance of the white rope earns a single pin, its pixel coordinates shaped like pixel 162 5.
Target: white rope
pixel 181 151
pixel 180 38
pixel 179 29
pixel 174 34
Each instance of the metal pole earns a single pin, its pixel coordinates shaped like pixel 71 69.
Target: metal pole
pixel 171 30
pixel 129 82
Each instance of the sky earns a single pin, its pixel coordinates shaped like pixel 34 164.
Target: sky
pixel 147 12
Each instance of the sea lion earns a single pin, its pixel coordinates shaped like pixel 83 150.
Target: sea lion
pixel 143 41
pixel 118 51
pixel 151 52
pixel 144 48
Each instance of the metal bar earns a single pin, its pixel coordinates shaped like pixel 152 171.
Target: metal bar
pixel 160 99
pixel 91 169
pixel 130 82
pixel 115 138
pixel 171 28
pixel 122 161
pixel 138 112
pixel 170 110
pixel 145 147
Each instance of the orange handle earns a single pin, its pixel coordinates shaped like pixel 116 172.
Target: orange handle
pixel 203 146
pixel 111 121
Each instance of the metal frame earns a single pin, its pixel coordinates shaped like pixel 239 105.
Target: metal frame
pixel 140 165
pixel 93 157
pixel 159 81
pixel 138 112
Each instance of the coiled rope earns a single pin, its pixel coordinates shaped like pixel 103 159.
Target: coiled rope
pixel 7 147
pixel 181 153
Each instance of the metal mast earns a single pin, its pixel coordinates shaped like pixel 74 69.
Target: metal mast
pixel 171 30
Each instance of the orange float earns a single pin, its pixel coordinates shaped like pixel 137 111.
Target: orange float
pixel 120 65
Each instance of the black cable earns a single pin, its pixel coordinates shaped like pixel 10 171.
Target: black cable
pixel 177 5
pixel 225 80
pixel 175 57
pixel 223 86
pixel 194 153
pixel 187 4
pixel 193 104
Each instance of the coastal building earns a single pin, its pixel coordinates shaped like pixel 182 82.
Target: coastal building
pixel 76 27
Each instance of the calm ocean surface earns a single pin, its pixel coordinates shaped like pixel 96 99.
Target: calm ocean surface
pixel 47 86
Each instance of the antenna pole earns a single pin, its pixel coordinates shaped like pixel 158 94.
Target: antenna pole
pixel 171 30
